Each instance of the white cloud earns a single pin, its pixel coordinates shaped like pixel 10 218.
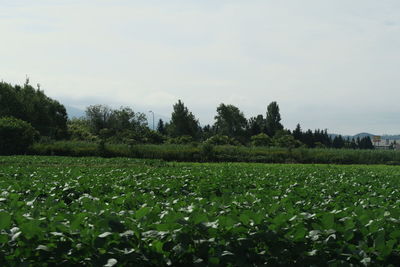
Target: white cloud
pixel 318 59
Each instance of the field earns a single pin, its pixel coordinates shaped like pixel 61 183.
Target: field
pixel 95 212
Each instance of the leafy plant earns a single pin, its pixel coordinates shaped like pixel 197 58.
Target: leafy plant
pixel 15 135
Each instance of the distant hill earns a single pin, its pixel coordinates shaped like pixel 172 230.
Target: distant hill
pixel 74 112
pixel 362 135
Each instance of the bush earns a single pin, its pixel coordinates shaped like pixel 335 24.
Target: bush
pixel 16 136
pixel 181 140
pixel 78 130
pixel 261 140
pixel 286 141
pixel 153 137
pixel 207 152
pixel 220 140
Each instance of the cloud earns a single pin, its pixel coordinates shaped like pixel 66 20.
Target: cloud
pixel 316 58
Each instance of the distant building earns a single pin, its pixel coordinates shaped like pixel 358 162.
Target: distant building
pixel 385 144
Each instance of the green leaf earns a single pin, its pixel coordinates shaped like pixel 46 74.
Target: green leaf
pixel 214 260
pixel 3 239
pixel 328 220
pixel 299 233
pixel 244 218
pixel 5 220
pixel 30 229
pixel 142 212
pixel 395 234
pixel 380 242
pixel 77 220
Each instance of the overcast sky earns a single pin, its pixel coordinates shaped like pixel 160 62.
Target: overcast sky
pixel 328 64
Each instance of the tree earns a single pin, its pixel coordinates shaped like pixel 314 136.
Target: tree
pixel 297 133
pixel 230 121
pixel 183 122
pixel 15 135
pixel 338 142
pixel 161 127
pixel 286 141
pixel 207 132
pixel 98 117
pixel 46 115
pixel 273 119
pixel 365 143
pixel 256 125
pixel 78 130
pixel 261 140
pixel 125 118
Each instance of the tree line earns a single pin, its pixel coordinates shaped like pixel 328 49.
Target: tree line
pixel 49 121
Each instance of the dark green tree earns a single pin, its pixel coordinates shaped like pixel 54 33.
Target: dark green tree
pixel 15 136
pixel 161 127
pixel 207 132
pixel 231 122
pixel 256 125
pixel 99 117
pixel 365 143
pixel 183 122
pixel 297 133
pixel 46 115
pixel 273 119
pixel 338 142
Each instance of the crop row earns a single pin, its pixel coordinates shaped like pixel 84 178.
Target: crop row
pixel 94 212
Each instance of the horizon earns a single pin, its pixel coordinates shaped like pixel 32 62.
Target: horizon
pixel 328 65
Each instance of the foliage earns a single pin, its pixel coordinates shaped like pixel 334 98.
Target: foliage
pixel 79 130
pixel 100 212
pixel 117 121
pixel 154 137
pixel 230 121
pixel 261 140
pixel 273 119
pixel 287 141
pixel 223 153
pixel 46 115
pixel 181 140
pixel 257 125
pixel 183 122
pixel 207 152
pixel 222 140
pixel 15 135
pixel 161 127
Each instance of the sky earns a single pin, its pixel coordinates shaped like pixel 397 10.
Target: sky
pixel 328 64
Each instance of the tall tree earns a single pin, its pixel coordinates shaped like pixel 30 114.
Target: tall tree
pixel 183 122
pixel 338 142
pixel 256 125
pixel 230 121
pixel 365 143
pixel 116 120
pixel 46 115
pixel 98 117
pixel 273 119
pixel 297 133
pixel 161 127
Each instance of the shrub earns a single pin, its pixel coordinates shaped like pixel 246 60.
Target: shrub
pixel 181 140
pixel 220 140
pixel 78 130
pixel 153 137
pixel 286 141
pixel 261 140
pixel 207 152
pixel 16 136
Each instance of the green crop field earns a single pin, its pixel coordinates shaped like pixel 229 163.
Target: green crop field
pixel 105 212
